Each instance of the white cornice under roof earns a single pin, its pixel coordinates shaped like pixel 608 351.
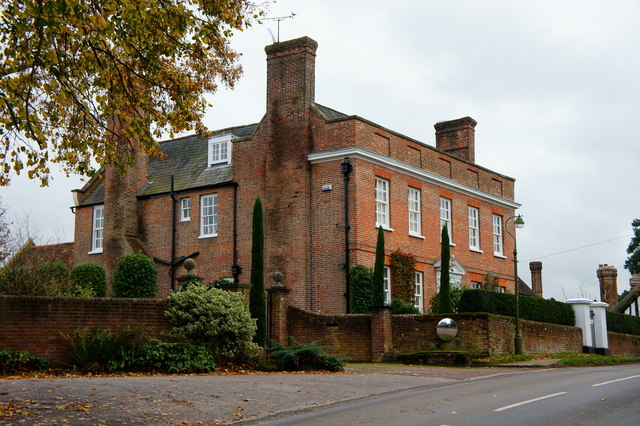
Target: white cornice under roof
pixel 415 172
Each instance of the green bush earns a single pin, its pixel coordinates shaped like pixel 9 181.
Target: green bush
pixel 215 319
pixel 378 295
pixel 20 281
pixel 257 303
pixel 100 349
pixel 531 308
pixel 622 323
pixel 403 276
pixel 90 277
pixel 175 358
pixel 399 307
pixel 361 282
pixel 135 276
pixel 130 350
pixel 297 357
pixel 12 362
pixel 454 297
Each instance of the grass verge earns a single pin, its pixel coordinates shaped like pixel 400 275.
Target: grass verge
pixel 565 359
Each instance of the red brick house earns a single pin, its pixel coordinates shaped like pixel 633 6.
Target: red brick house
pixel 327 180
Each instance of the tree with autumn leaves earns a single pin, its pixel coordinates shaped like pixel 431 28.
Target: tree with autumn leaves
pixel 69 67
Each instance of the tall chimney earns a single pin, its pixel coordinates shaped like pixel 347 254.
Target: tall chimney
pixel 290 75
pixel 536 277
pixel 608 277
pixel 457 137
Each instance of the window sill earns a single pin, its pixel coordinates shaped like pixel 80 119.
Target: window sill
pixel 207 236
pixel 99 251
pixel 499 255
pixel 384 228
pixel 417 236
pixel 475 250
pixel 185 220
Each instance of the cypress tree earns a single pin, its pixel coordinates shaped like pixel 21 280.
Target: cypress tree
pixel 257 303
pixel 444 298
pixel 378 271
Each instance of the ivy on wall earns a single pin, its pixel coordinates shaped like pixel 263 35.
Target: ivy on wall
pixel 403 271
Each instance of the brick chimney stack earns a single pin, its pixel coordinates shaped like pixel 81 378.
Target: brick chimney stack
pixel 457 137
pixel 608 277
pixel 291 75
pixel 536 277
pixel 121 203
pixel 287 129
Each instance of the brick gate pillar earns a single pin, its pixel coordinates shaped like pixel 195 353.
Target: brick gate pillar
pixel 381 332
pixel 608 277
pixel 277 310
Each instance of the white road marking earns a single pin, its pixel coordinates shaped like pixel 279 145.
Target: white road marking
pixel 617 380
pixel 529 401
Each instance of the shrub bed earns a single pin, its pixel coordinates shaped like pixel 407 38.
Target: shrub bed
pixel 622 323
pixel 531 308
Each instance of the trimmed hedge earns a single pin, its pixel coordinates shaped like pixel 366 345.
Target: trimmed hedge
pixel 90 276
pixel 135 276
pixel 622 323
pixel 531 308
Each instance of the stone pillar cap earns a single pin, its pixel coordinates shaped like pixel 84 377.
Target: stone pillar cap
pixel 579 301
pixel 599 305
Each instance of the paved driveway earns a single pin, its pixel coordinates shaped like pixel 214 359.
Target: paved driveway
pixel 209 399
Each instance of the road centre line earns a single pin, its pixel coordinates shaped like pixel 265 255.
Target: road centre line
pixel 617 380
pixel 529 401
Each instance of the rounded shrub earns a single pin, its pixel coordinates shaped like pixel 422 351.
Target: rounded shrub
pixel 361 279
pixel 135 276
pixel 400 307
pixel 214 318
pixel 90 276
pixel 54 278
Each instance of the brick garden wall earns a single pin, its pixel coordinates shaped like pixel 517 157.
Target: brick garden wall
pixel 35 323
pixel 624 344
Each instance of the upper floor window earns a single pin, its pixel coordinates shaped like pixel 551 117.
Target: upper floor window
pixel 387 285
pixel 414 212
pixel 220 150
pixel 445 215
pixel 209 215
pixel 418 292
pixel 185 209
pixel 474 234
pixel 97 234
pixel 497 235
pixel 476 285
pixel 382 203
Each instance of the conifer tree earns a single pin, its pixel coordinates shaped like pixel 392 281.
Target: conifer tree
pixel 633 261
pixel 378 271
pixel 257 303
pixel 444 298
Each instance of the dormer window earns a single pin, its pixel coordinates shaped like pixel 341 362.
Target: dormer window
pixel 220 150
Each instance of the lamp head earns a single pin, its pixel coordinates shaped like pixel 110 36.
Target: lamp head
pixel 519 222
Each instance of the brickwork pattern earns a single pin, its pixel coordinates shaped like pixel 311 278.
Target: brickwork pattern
pixel 624 344
pixel 35 323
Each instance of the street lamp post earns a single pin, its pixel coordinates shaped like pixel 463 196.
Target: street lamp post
pixel 518 223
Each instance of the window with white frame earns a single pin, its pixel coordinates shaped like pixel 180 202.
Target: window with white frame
pixel 209 215
pixel 220 150
pixel 418 293
pixel 497 235
pixel 414 212
pixel 382 203
pixel 387 285
pixel 445 215
pixel 185 209
pixel 474 234
pixel 501 289
pixel 97 234
pixel 476 285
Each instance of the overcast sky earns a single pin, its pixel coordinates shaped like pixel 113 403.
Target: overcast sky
pixel 554 86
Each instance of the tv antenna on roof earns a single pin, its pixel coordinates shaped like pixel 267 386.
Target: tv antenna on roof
pixel 278 19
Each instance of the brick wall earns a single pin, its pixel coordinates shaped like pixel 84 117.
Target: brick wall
pixel 624 344
pixel 35 323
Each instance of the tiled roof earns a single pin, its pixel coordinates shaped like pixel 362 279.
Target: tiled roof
pixel 331 114
pixel 186 159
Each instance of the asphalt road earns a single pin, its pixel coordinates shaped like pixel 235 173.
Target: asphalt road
pixel 568 396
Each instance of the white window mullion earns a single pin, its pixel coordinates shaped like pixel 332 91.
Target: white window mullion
pixel 382 203
pixel 413 203
pixel 445 216
pixel 474 234
pixel 97 232
pixel 418 291
pixel 497 235
pixel 185 209
pixel 209 215
pixel 387 285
